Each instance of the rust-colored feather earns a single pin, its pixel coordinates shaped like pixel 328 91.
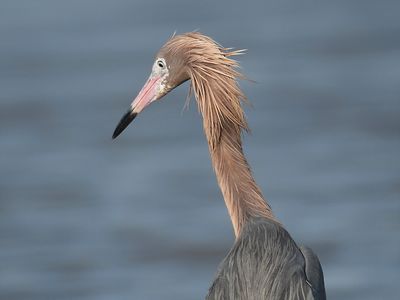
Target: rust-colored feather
pixel 214 75
pixel 214 84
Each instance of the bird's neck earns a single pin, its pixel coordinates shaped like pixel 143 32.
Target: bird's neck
pixel 243 197
pixel 219 100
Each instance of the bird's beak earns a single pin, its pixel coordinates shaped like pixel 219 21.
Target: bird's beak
pixel 149 93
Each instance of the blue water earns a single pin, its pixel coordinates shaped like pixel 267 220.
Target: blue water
pixel 85 217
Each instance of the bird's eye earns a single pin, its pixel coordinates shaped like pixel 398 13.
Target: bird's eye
pixel 160 63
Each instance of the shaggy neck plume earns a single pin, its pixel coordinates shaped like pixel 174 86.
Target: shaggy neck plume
pixel 218 97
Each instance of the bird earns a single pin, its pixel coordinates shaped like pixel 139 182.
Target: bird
pixel 264 262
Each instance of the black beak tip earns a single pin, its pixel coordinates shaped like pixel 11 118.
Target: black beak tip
pixel 124 122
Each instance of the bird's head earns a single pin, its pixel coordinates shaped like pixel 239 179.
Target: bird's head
pixel 199 58
pixel 169 71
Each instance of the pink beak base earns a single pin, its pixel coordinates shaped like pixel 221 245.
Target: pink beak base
pixel 146 95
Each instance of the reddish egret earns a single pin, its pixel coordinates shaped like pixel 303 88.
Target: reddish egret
pixel 264 262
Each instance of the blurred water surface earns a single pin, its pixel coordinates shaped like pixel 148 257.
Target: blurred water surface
pixel 85 217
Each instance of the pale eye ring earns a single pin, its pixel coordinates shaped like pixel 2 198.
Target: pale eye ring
pixel 161 64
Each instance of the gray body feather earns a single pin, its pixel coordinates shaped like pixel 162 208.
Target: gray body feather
pixel 265 263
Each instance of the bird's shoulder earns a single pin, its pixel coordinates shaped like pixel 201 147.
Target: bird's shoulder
pixel 266 263
pixel 313 271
